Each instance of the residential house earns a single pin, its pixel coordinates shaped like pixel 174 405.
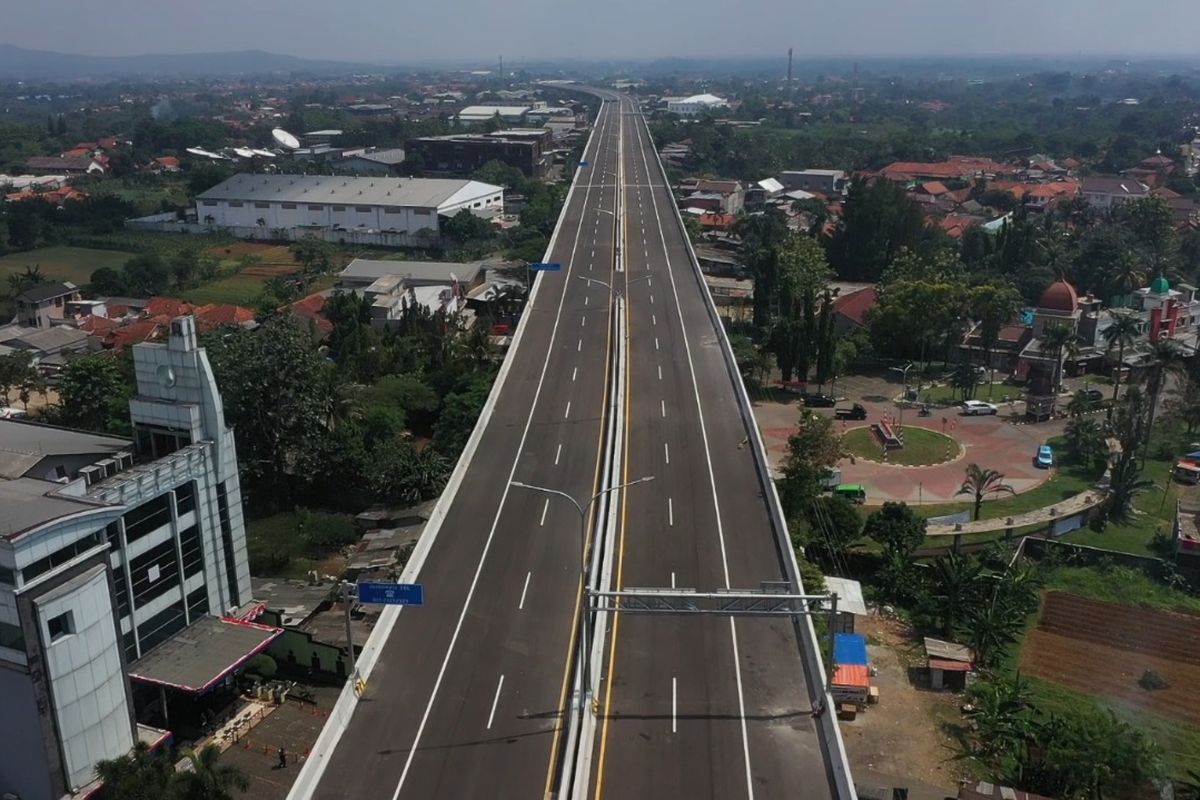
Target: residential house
pixel 851 308
pixel 362 272
pixel 1108 191
pixel 41 305
pixel 694 105
pixel 54 165
pixel 829 182
pixel 49 348
pixel 727 197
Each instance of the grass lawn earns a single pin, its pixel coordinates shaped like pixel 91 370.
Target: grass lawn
pixel 290 543
pixel 987 392
pixel 75 264
pixel 921 446
pixel 1179 741
pixel 242 289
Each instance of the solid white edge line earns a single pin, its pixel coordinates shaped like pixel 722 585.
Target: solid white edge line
pixel 495 702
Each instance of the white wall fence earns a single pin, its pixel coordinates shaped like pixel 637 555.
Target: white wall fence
pixel 167 223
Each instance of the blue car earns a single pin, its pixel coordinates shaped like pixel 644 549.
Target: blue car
pixel 1045 457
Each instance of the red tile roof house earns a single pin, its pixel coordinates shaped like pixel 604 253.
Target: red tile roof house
pixel 311 310
pixel 850 310
pixel 167 163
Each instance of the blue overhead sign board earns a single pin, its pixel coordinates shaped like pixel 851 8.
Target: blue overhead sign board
pixel 392 594
pixel 549 266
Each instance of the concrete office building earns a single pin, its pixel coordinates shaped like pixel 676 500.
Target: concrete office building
pixel 527 149
pixel 109 549
pixel 389 205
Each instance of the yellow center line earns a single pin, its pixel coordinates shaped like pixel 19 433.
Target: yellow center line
pixel 571 643
pixel 612 653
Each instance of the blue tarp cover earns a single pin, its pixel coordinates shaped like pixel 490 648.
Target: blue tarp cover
pixel 850 648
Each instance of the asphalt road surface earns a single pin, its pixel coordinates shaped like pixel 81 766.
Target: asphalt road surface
pixel 692 707
pixel 467 695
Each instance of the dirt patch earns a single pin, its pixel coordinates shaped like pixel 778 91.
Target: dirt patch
pixel 905 735
pixel 1103 649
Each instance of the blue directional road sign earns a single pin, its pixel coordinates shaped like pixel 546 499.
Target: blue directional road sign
pixel 392 594
pixel 549 266
pixel 583 163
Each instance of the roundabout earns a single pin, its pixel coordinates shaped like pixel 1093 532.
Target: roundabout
pixel 921 447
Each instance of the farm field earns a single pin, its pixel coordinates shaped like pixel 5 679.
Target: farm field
pixel 1103 649
pixel 62 263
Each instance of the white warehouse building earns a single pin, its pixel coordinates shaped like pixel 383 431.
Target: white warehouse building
pixel 694 105
pixel 369 204
pixel 123 568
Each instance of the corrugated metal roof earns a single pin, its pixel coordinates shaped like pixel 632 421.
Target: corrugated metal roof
pixel 936 648
pixel 342 190
pixel 851 675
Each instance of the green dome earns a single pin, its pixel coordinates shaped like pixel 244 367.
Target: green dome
pixel 1160 285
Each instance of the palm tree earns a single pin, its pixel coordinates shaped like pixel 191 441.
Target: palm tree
pixel 1165 358
pixel 1055 339
pixel 1124 485
pixel 953 581
pixel 209 779
pixel 1123 332
pixel 141 774
pixel 981 482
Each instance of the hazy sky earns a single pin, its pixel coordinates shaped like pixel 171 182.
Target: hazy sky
pixel 406 31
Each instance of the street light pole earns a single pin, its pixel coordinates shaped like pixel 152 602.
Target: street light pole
pixel 582 509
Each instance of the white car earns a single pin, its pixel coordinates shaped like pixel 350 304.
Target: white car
pixel 973 408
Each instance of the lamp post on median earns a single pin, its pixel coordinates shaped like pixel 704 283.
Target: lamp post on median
pixel 583 509
pixel 618 289
pixel 904 378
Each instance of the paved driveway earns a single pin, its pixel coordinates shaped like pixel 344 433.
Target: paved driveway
pixel 993 442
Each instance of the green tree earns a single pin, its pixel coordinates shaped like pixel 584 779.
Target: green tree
pixel 1183 404
pixel 802 274
pixel 993 305
pixel 185 265
pixel 16 369
pixel 1055 340
pixel 1164 359
pixel 141 774
pixel 897 527
pixel 29 277
pixel 315 255
pixel 276 392
pixel 107 280
pixel 146 275
pixel 954 584
pixel 812 450
pixel 1121 333
pixel 208 779
pixel 94 395
pixel 877 223
pixel 1085 440
pixel 460 412
pixel 835 525
pixel 465 227
pixel 980 482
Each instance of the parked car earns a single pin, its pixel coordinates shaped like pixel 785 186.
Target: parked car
pixel 1092 395
pixel 856 411
pixel 819 401
pixel 1045 457
pixel 973 408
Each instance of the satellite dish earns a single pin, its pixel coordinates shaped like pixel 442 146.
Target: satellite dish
pixel 285 139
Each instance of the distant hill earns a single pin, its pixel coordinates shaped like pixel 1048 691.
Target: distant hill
pixel 17 62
